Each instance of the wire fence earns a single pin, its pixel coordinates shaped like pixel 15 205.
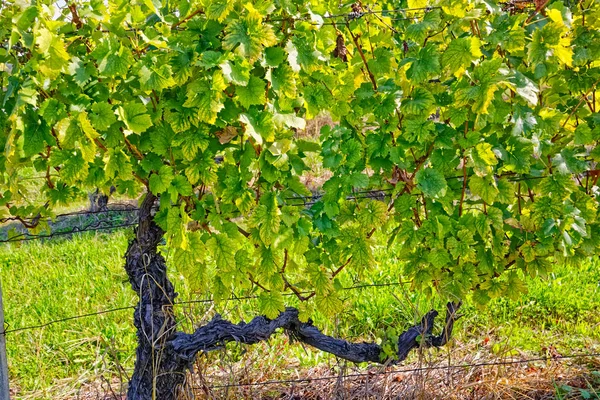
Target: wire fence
pixel 108 224
pixel 178 303
pixel 405 370
pixel 304 201
pixel 297 201
pixel 117 208
pixel 96 226
pixel 369 374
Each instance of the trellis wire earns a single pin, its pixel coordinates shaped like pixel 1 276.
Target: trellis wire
pixel 23 237
pixel 127 208
pixel 367 194
pixel 326 378
pixel 402 370
pixel 177 303
pixel 303 201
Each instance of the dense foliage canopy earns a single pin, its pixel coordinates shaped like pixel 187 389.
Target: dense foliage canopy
pixel 476 120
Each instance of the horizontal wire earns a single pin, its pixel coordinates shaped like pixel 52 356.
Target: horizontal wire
pixel 74 317
pixel 342 22
pixel 23 238
pixel 374 195
pixel 235 298
pixel 319 195
pixel 129 208
pixel 362 13
pixel 396 11
pixel 313 199
pixel 403 370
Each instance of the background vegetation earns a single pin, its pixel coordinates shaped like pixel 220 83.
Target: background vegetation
pixel 44 281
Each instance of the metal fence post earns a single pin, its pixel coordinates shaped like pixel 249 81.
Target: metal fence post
pixel 4 390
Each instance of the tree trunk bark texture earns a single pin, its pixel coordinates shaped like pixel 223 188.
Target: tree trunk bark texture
pixel 158 372
pixel 164 356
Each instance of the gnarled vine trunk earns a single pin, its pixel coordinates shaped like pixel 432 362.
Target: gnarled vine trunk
pixel 164 356
pixel 157 370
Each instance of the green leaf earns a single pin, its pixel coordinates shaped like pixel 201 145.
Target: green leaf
pixel 484 187
pixel 425 65
pixel 372 213
pixel 515 286
pixel 102 116
pixel 74 169
pixel 182 185
pixel 381 61
pixel 161 181
pixel 528 252
pixel 481 297
pixel 219 9
pixel 26 18
pixel 86 126
pixel 206 95
pixel 493 287
pixel 267 217
pixel 283 80
pixel 113 59
pixel 417 130
pixel 190 259
pixel 438 257
pixel 271 304
pixel 460 53
pixel 329 304
pixel 175 229
pixel 135 117
pixel 526 88
pixel 483 158
pixel 54 50
pixel 259 126
pixel 506 191
pixel 249 35
pixel 35 133
pixel 53 111
pixel 156 78
pixel 431 182
pixel 118 165
pixel 238 72
pixel 80 72
pixel 358 180
pixel 420 102
pixel 251 94
pixel 274 56
pixel 223 251
pixel 190 142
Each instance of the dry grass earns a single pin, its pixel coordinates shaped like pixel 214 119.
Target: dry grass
pixel 317 175
pixel 245 380
pixel 529 380
pixel 267 371
pixel 313 126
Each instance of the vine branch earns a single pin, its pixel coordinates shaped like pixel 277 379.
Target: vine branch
pixel 186 19
pixel 218 332
pixel 362 55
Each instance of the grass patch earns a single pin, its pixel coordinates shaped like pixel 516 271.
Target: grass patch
pixel 60 278
pixel 47 281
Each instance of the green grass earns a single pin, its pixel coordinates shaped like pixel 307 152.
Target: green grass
pixel 46 281
pixel 59 278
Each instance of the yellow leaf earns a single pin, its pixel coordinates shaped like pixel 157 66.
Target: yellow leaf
pixel 475 44
pixel 564 52
pixel 555 16
pixel 417 3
